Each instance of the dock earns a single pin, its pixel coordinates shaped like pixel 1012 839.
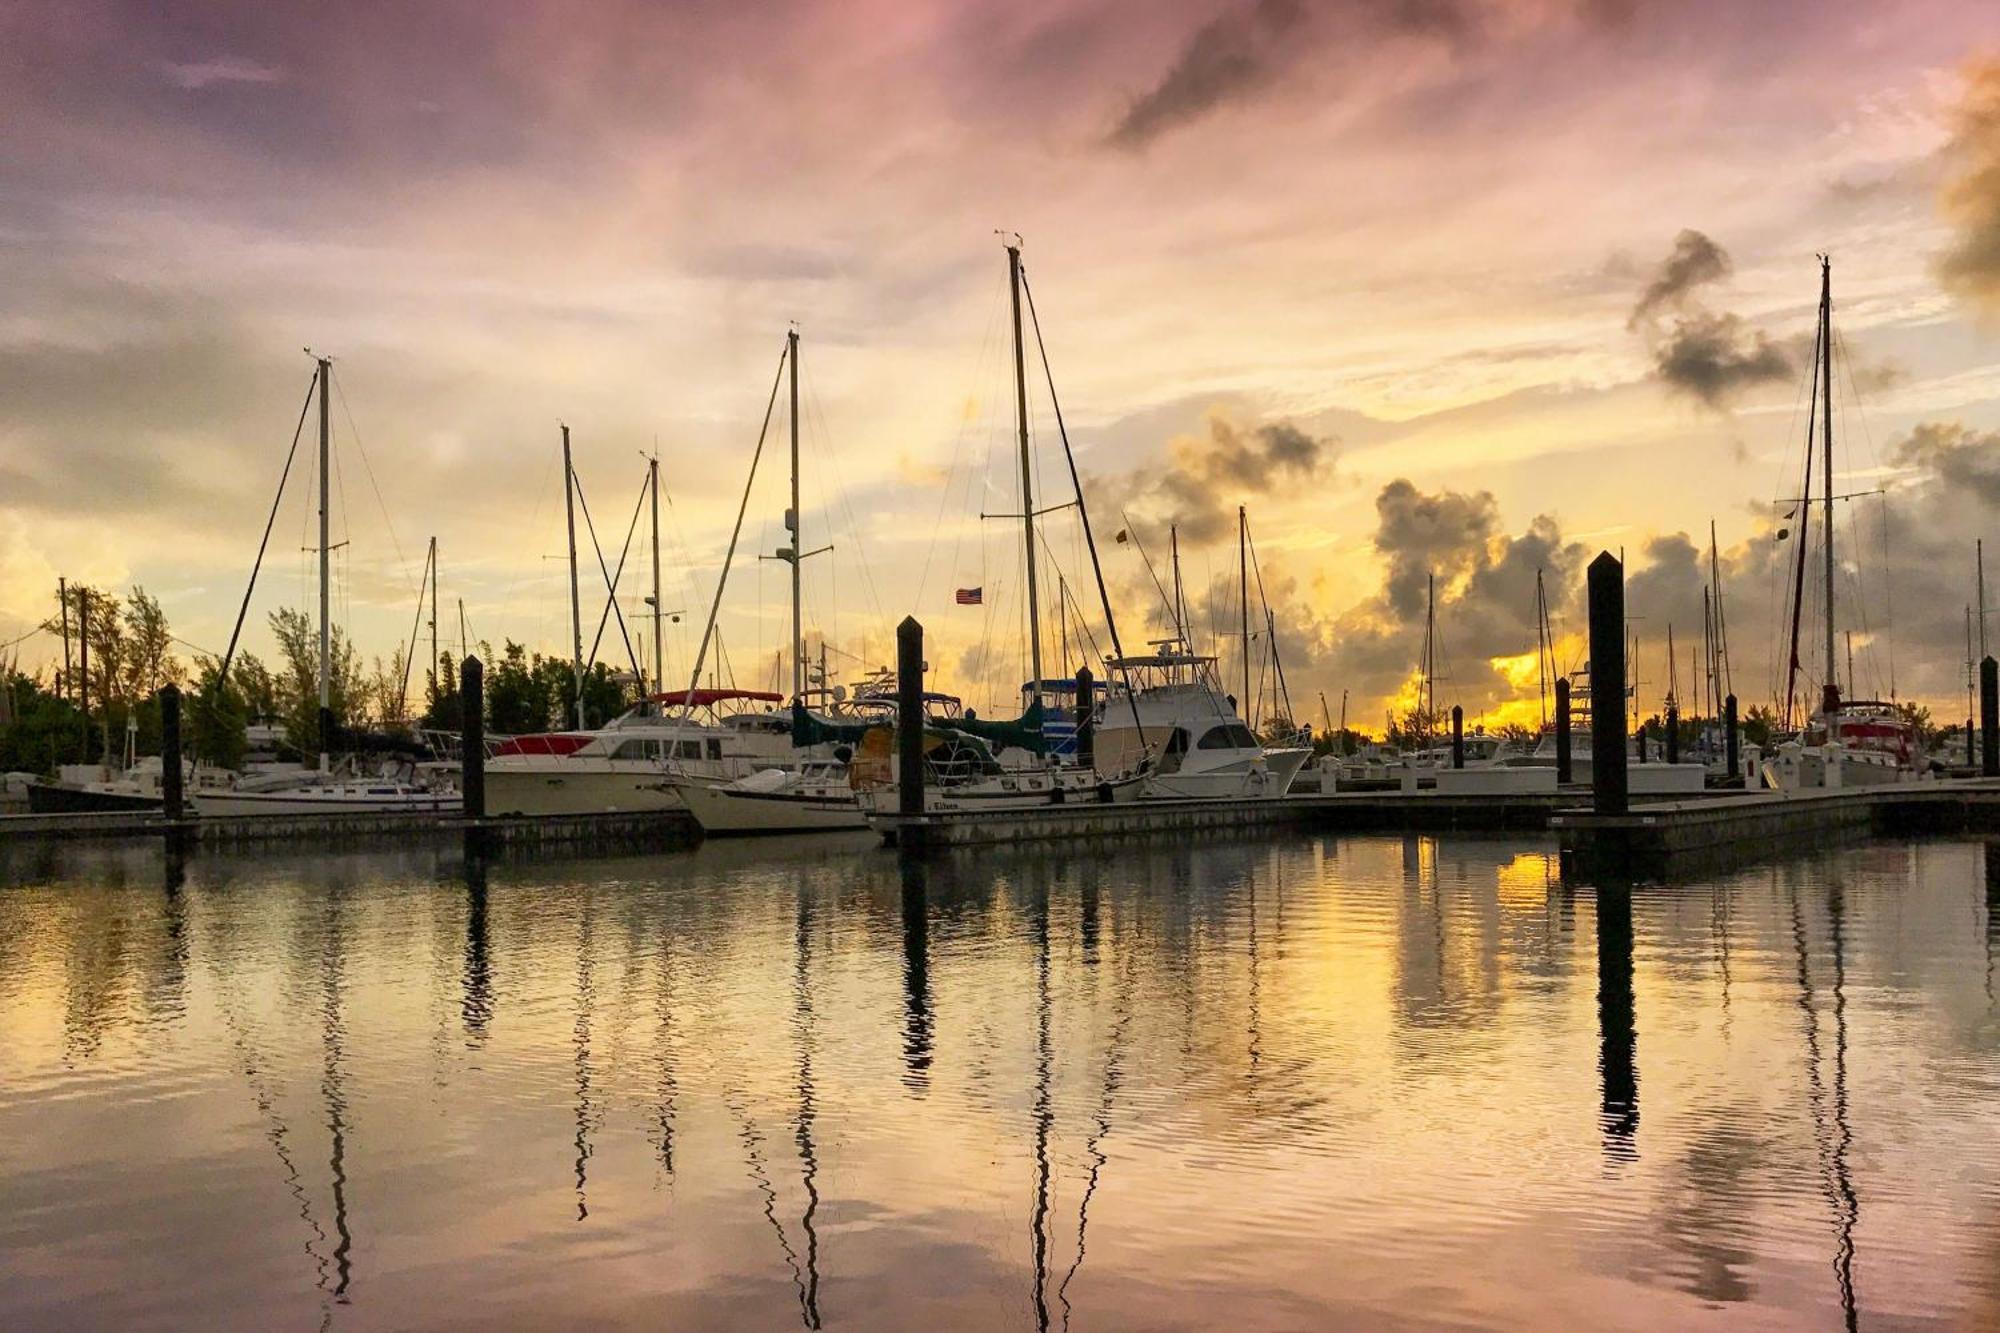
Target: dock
pixel 639 831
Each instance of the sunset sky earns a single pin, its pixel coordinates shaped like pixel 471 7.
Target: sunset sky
pixel 1471 287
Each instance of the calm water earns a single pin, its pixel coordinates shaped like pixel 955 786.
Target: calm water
pixel 1298 1084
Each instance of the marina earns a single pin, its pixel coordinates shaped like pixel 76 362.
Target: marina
pixel 1083 667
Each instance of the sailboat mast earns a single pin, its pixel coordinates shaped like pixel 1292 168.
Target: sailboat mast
pixel 1430 653
pixel 1832 688
pixel 325 582
pixel 1243 599
pixel 1027 475
pixel 437 683
pixel 792 515
pixel 1979 566
pixel 575 605
pixel 659 652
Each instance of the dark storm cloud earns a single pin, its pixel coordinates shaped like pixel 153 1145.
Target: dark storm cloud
pixel 1207 477
pixel 1229 57
pixel 1707 354
pixel 1963 460
pixel 1971 263
pixel 1714 356
pixel 1695 260
pixel 1485 594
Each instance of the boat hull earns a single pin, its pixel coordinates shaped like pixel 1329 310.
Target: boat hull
pixel 241 804
pixel 554 791
pixel 48 798
pixel 726 811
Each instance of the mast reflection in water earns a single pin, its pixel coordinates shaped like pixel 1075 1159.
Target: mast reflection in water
pixel 1262 1084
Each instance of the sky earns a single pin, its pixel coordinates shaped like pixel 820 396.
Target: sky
pixel 1452 288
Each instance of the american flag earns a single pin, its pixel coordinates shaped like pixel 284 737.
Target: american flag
pixel 971 596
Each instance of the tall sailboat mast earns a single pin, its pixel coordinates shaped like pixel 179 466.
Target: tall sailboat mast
pixel 1243 599
pixel 792 514
pixel 575 605
pixel 1027 472
pixel 659 652
pixel 325 583
pixel 1831 689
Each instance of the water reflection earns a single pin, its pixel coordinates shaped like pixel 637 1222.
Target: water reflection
pixel 1617 1061
pixel 738 1088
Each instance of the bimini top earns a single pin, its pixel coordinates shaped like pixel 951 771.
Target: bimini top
pixel 705 698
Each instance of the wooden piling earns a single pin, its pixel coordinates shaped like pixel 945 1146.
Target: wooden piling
pixel 1565 766
pixel 1608 780
pixel 172 798
pixel 1457 736
pixel 1086 718
pixel 1732 739
pixel 1673 735
pixel 472 737
pixel 1989 718
pixel 910 717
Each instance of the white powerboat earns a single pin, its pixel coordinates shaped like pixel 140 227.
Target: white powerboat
pixel 1199 748
pixel 638 760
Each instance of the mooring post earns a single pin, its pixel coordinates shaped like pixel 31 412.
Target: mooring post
pixel 1608 788
pixel 1971 757
pixel 1457 736
pixel 1639 742
pixel 1086 724
pixel 171 796
pixel 910 718
pixel 1989 718
pixel 1732 740
pixel 1564 767
pixel 472 737
pixel 1673 735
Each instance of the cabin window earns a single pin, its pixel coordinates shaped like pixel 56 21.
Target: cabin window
pixel 1229 736
pixel 687 749
pixel 1177 745
pixel 714 748
pixel 632 749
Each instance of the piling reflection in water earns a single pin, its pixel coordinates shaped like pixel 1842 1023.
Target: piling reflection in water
pixel 742 1087
pixel 1617 1059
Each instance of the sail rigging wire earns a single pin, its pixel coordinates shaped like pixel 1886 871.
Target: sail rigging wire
pixel 722 578
pixel 610 583
pixel 340 396
pixel 222 671
pixel 611 600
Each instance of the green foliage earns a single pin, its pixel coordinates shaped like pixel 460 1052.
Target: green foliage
pixel 530 693
pixel 1418 727
pixel 297 686
pixel 215 718
pixel 1759 725
pixel 46 729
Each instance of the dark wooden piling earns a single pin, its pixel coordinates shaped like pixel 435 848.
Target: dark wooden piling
pixel 1989 718
pixel 910 717
pixel 1457 736
pixel 1639 742
pixel 1673 735
pixel 1565 766
pixel 1617 1060
pixel 472 737
pixel 1086 717
pixel 173 802
pixel 1608 782
pixel 1732 738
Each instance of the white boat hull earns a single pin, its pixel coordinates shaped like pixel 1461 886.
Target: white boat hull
pixel 1264 779
pixel 578 791
pixel 730 810
pixel 237 804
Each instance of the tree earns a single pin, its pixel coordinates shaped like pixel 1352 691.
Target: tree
pixel 254 684
pixel 216 718
pixel 45 730
pixel 1759 725
pixel 298 687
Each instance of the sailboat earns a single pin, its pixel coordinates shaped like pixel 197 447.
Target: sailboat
pixel 1844 742
pixel 638 760
pixel 321 791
